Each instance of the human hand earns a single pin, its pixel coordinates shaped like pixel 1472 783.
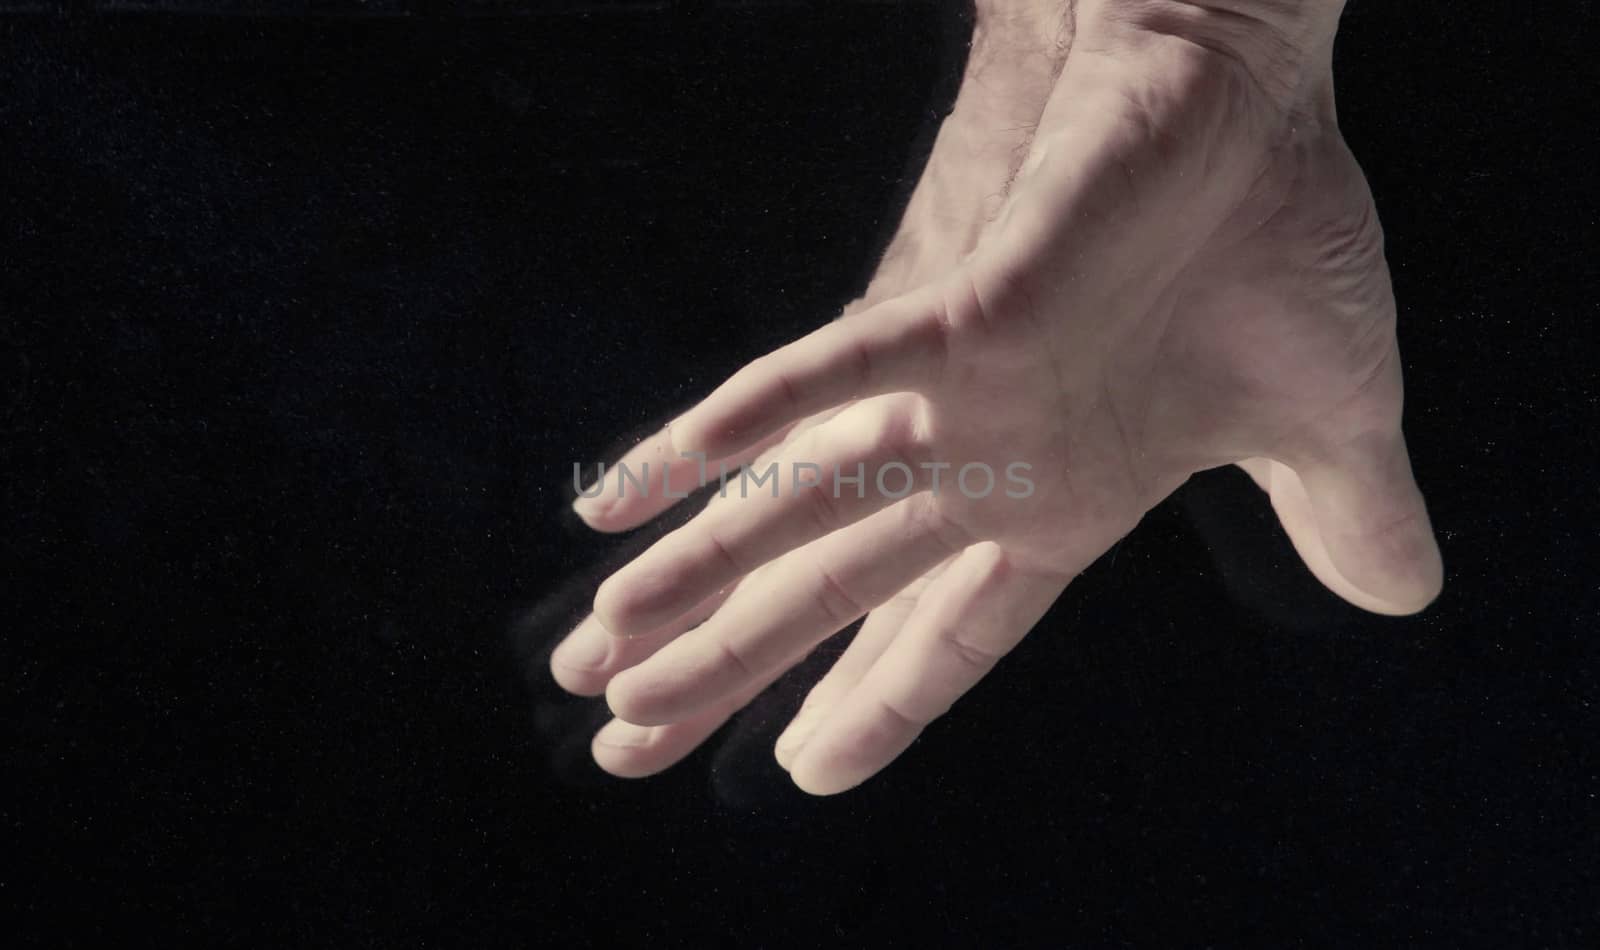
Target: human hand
pixel 1017 49
pixel 1187 273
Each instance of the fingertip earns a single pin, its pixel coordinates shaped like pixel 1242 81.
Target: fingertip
pixel 613 608
pixel 631 703
pixel 1363 528
pixel 578 682
pixel 592 511
pixel 609 521
pixel 1415 588
pixel 1401 566
pixel 578 662
pixel 787 749
pixel 821 782
pixel 633 602
pixel 792 741
pixel 831 763
pixel 1432 587
pixel 620 748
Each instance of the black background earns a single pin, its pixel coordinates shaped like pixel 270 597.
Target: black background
pixel 306 312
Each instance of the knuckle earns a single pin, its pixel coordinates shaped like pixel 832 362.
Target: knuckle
pixel 974 657
pixel 834 600
pixel 929 517
pixel 735 661
pixel 823 509
pixel 716 549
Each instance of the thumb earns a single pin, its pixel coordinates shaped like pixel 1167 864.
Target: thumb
pixel 1359 522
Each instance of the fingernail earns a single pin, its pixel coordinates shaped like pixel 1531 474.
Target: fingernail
pixel 623 735
pixel 584 650
pixel 793 739
pixel 590 508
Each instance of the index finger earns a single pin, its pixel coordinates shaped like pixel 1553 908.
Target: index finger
pixel 896 346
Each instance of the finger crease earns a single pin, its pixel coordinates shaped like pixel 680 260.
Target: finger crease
pixel 836 602
pixel 789 392
pixel 979 659
pixel 950 535
pixel 824 510
pixel 906 722
pixel 724 553
pixel 941 343
pixel 736 660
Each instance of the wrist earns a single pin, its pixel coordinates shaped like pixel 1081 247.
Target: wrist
pixel 1018 49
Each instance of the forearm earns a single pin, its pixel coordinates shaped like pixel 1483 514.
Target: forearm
pixel 1025 24
pixel 1017 50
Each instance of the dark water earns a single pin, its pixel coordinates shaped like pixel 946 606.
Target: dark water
pixel 305 317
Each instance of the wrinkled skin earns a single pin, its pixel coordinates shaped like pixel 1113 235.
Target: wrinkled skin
pixel 1184 270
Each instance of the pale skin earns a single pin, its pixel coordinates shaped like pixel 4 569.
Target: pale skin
pixel 1140 250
